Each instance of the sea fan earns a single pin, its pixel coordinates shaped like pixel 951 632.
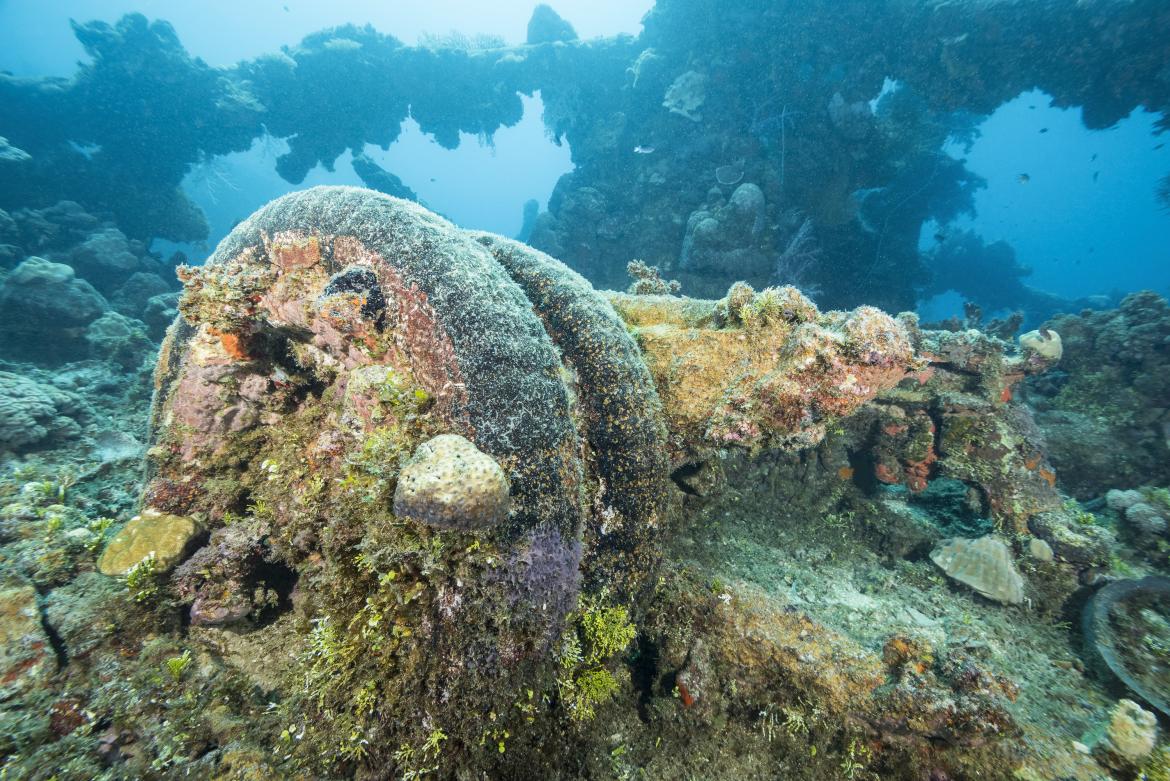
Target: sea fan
pixel 209 179
pixel 796 263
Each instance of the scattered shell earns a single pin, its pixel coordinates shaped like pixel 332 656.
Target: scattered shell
pixel 1043 342
pixel 729 174
pixel 984 564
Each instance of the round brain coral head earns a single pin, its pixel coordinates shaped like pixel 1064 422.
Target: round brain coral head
pixel 451 484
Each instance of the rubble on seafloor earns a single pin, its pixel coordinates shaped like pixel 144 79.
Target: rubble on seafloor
pixel 715 559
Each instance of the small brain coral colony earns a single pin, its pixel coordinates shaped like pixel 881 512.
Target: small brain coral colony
pixel 439 472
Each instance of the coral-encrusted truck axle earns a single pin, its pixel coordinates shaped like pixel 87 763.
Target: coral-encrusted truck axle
pixel 440 433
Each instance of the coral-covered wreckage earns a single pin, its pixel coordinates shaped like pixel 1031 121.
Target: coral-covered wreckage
pixel 419 501
pixel 422 500
pixel 432 473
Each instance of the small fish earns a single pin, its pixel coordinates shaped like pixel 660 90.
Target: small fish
pixel 643 150
pixel 1023 178
pixel 1095 175
pixel 1093 159
pixel 1159 146
pixel 940 237
pixel 1045 333
pixel 285 7
pixel 1043 130
pixel 432 178
pixel 1031 108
